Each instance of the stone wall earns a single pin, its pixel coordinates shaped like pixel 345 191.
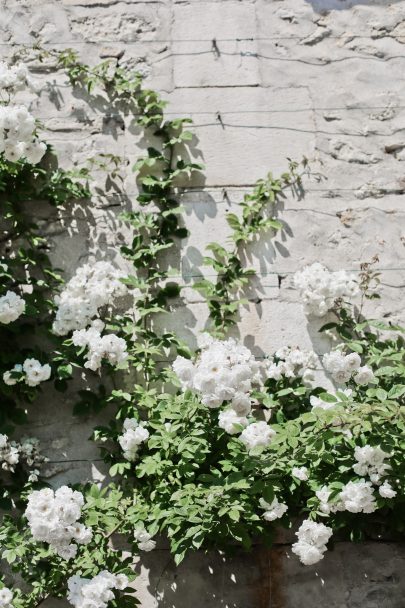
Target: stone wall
pixel 262 80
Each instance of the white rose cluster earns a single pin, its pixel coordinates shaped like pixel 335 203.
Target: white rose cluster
pixel 92 287
pixel 14 78
pixel 95 592
pixel 312 539
pixel 318 402
pixel 109 347
pixel 6 598
pixel 343 367
pixel 358 497
pixel 12 306
pixel 135 434
pixel 9 454
pixel 273 510
pixel 17 125
pixel 320 288
pixel 17 135
pixel 292 363
pixel 26 452
pixel 53 518
pixel 370 462
pixel 144 539
pixel 231 422
pixel 355 497
pixel 224 371
pixel 31 372
pixel 257 434
pixel 386 490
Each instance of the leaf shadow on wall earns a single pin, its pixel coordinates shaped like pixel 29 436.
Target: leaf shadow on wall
pixel 90 227
pixel 96 229
pixel 210 210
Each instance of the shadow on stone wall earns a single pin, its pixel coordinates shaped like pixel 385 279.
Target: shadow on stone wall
pixel 213 579
pixel 350 576
pixel 340 5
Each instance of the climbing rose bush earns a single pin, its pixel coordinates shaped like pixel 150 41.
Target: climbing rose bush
pixel 234 477
pixel 215 449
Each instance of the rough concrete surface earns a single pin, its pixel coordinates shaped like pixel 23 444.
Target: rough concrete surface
pixel 284 78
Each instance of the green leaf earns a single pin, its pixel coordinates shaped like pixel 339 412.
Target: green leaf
pixel 381 394
pixel 233 221
pixel 268 494
pixel 234 514
pixel 64 371
pixel 119 468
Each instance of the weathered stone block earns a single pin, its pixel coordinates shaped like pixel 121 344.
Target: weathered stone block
pixel 202 57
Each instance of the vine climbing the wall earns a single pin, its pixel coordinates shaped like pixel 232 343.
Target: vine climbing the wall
pixel 256 218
